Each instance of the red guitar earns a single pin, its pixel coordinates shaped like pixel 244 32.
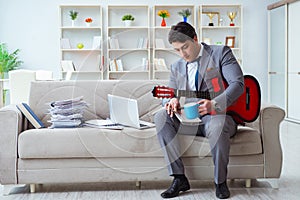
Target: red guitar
pixel 245 109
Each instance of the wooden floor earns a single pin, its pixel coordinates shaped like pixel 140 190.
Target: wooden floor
pixel 289 183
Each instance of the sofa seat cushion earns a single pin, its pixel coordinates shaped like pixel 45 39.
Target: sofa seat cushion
pixel 130 142
pixel 247 141
pixel 88 143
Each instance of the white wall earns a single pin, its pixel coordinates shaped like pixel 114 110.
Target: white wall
pixel 33 27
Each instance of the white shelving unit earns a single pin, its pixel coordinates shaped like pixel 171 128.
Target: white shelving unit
pixel 221 28
pixel 161 47
pixel 128 48
pixel 88 61
pixel 139 51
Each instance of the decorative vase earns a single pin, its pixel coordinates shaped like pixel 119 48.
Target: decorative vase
pixel 73 23
pixel 127 23
pixel 163 22
pixel 88 24
pixel 184 19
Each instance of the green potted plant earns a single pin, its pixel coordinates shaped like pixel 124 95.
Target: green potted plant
pixel 73 14
pixel 185 13
pixel 8 61
pixel 128 19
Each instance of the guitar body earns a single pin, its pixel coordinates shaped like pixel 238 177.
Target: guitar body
pixel 245 109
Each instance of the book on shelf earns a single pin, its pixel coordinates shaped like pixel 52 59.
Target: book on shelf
pixel 145 43
pixel 120 65
pixel 116 65
pixel 159 43
pixel 96 42
pixel 160 64
pixel 30 115
pixel 145 64
pixel 68 65
pixel 100 62
pixel 65 43
pixel 112 65
pixel 113 43
pixel 142 43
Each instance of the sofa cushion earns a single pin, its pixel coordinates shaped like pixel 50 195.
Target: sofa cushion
pixel 95 94
pixel 130 142
pixel 247 141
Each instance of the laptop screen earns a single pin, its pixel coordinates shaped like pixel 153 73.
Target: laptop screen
pixel 123 111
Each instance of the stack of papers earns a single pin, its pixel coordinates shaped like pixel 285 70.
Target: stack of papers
pixel 102 123
pixel 67 113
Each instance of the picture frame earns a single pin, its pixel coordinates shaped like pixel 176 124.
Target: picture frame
pixel 230 41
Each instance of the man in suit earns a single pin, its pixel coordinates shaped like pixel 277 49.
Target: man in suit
pixel 202 67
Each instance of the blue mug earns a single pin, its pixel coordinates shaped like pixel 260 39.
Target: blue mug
pixel 191 110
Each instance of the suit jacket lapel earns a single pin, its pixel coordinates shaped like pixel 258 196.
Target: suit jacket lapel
pixel 182 76
pixel 203 63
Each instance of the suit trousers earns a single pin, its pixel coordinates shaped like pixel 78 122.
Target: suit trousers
pixel 217 128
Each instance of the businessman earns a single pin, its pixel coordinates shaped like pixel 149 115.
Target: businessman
pixel 202 67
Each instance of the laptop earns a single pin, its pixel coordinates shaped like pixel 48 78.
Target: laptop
pixel 125 111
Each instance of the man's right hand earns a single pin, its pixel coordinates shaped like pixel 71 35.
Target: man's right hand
pixel 173 106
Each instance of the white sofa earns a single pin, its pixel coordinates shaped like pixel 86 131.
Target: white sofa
pixel 80 155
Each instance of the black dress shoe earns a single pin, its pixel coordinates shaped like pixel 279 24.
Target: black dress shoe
pixel 222 191
pixel 178 184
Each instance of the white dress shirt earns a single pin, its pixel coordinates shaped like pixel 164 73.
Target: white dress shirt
pixel 191 72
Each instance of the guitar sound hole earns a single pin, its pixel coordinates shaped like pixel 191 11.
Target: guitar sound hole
pixel 247 98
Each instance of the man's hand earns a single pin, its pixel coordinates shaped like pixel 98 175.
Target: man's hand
pixel 205 106
pixel 173 106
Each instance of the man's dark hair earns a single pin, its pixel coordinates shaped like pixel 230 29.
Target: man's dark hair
pixel 181 32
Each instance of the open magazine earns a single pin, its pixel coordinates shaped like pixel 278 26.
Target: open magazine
pixel 102 123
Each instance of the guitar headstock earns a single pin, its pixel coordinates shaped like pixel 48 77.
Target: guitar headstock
pixel 163 92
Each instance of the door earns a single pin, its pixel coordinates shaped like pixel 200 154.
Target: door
pixel 277 56
pixel 293 61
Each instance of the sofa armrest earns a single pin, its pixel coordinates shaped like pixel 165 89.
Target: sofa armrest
pixel 269 125
pixel 11 123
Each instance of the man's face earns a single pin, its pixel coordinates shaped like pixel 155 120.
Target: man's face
pixel 189 50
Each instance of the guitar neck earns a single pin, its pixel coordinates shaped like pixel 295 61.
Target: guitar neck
pixel 195 94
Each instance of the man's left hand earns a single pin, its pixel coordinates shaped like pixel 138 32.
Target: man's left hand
pixel 205 106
